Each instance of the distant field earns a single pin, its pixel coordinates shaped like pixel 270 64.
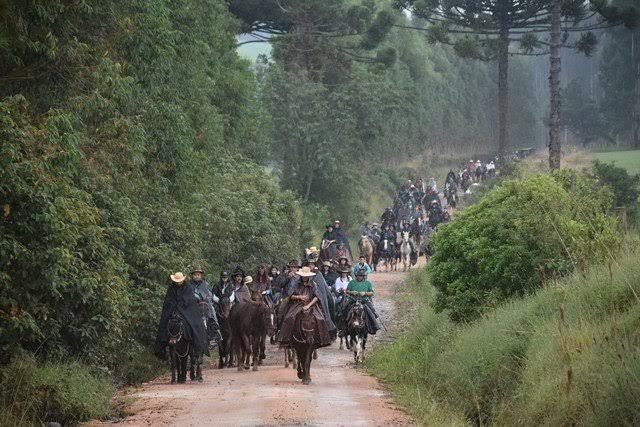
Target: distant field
pixel 629 160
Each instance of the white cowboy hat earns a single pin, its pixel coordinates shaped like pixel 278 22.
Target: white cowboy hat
pixel 311 250
pixel 306 272
pixel 178 277
pixel 248 280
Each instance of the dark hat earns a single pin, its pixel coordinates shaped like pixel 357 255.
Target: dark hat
pixel 328 225
pixel 238 272
pixel 224 273
pixel 361 272
pixel 345 270
pixel 294 263
pixel 305 262
pixel 196 269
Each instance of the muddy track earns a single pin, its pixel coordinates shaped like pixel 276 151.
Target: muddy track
pixel 340 394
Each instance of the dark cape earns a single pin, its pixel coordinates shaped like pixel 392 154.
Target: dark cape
pixel 323 293
pixel 294 307
pixel 183 300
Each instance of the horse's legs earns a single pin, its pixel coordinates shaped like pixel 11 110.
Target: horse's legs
pixel 341 343
pixel 308 355
pixel 246 344
pixel 237 350
pixel 263 344
pixel 256 353
pixel 300 362
pixel 172 361
pixel 182 369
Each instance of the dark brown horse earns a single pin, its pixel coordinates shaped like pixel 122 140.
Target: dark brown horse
pixel 304 343
pixel 224 346
pixel 250 324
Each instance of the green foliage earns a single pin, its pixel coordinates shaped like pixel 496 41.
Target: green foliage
pixel 520 234
pixel 132 148
pixel 625 187
pixel 68 393
pixel 566 355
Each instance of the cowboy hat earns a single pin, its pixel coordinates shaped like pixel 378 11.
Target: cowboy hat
pixel 326 264
pixel 306 272
pixel 196 269
pixel 248 280
pixel 311 250
pixel 345 270
pixel 178 277
pixel 294 263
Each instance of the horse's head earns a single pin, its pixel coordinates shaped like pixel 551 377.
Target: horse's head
pixel 175 327
pixel 225 307
pixel 355 319
pixel 267 316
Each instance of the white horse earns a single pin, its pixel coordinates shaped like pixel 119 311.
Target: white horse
pixel 405 251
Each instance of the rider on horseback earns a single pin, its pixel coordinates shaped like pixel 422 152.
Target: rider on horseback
pixel 304 297
pixel 180 298
pixel 204 296
pixel 361 289
pixel 362 265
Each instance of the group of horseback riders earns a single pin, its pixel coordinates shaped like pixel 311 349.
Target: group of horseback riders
pixel 321 290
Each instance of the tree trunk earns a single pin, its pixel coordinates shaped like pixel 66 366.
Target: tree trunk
pixel 554 85
pixel 503 91
pixel 635 48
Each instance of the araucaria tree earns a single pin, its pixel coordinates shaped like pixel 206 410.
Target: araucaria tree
pixel 498 29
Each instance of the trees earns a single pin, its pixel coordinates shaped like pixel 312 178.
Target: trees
pixel 486 29
pixel 620 71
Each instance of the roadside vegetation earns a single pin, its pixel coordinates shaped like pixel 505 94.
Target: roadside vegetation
pixel 557 347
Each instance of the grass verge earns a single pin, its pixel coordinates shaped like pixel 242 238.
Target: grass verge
pixel 565 355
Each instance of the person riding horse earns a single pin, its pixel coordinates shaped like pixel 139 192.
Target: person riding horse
pixel 436 215
pixel 241 291
pixel 328 273
pixel 304 297
pixel 223 288
pixel 204 296
pixel 388 217
pixel 361 289
pixel 181 299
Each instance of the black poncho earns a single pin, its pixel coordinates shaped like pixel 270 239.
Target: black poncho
pixel 182 299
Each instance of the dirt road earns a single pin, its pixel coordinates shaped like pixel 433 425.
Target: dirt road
pixel 339 394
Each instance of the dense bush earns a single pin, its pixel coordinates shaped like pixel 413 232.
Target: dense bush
pixel 564 356
pixel 520 234
pixel 625 187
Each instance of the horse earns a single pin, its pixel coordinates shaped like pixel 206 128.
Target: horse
pixel 180 347
pixel 366 248
pixel 356 330
pixel 303 343
pixel 405 251
pixel 387 253
pixel 224 346
pixel 249 322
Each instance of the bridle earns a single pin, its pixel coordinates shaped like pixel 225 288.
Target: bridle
pixel 176 336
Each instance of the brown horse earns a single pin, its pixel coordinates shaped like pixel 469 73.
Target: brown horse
pixel 367 249
pixel 224 346
pixel 250 322
pixel 303 342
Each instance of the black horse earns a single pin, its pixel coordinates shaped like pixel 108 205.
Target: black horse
pixel 180 347
pixel 356 330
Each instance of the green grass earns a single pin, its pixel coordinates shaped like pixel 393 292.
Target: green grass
pixel 629 160
pixel 565 355
pixel 32 393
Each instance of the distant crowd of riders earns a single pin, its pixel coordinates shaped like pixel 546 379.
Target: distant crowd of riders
pixel 308 303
